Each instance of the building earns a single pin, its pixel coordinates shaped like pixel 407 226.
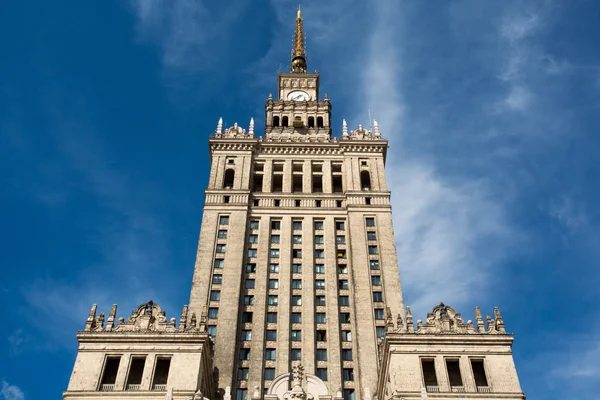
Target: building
pixel 296 291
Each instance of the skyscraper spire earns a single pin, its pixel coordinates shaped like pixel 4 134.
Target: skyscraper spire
pixel 299 47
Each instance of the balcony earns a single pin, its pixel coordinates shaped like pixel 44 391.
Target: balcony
pixel 159 387
pixel 432 389
pixel 457 389
pixel 107 388
pixel 133 387
pixel 484 389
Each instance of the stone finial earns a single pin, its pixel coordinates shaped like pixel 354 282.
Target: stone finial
pixel 424 395
pixel 326 98
pixel 219 130
pixel 251 127
pixel 489 322
pixel 499 321
pixel 270 96
pixel 169 395
pixel 110 323
pixel 344 128
pixel 479 321
pixel 256 393
pixel 183 318
pixel 409 321
pixel 400 323
pixel 376 128
pixel 91 320
pixel 193 320
pixel 100 320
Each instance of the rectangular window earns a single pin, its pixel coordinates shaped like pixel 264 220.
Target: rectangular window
pixel 274 268
pixel 297 268
pixel 373 250
pixel 244 354
pixel 272 317
pixel 161 373
pixel 370 221
pixel 243 374
pixel 253 225
pixel 379 314
pixel 297 225
pixel 348 394
pixel 297 183
pixel 296 336
pixel 212 330
pixel 249 283
pixel 296 354
pixel 376 280
pixel 270 354
pixel 297 253
pixel 242 394
pixel 374 264
pixel 251 268
pixel 377 297
pixel 346 336
pixel 246 335
pixel 319 239
pixel 111 366
pixel 319 300
pixel 319 284
pixel 317 184
pixel 380 331
pixel 269 374
pixel 343 284
pixel 340 225
pixel 275 225
pixel 253 239
pixel 348 374
pixel 429 376
pixel 222 234
pixel 251 253
pixel 371 236
pixel 454 375
pixel 297 239
pixel 213 313
pixel 271 335
pixel 248 300
pixel 322 373
pixel 321 336
pixel 344 301
pixel 320 318
pixel 319 268
pixel 217 279
pixel 339 239
pixel 274 253
pixel 272 300
pixel 296 300
pixel 479 373
pixel 342 269
pixel 341 254
pixel 219 263
pixel 344 318
pixel 296 284
pixel 247 317
pixel 319 253
pixel 223 220
pixel 273 284
pixel 275 239
pixel 321 354
pixel 346 354
pixel 318 225
pixel 296 318
pixel 215 295
pixel 221 248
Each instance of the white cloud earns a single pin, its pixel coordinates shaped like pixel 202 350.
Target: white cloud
pixel 518 98
pixel 571 216
pixel 11 392
pixel 520 26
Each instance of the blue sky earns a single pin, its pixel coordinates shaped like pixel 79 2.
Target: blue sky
pixel 491 109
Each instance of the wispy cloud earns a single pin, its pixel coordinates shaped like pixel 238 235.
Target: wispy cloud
pixel 568 213
pixel 11 392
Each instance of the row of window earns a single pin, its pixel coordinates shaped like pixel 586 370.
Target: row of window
pixel 135 373
pixel 273 299
pixel 242 394
pixel 454 373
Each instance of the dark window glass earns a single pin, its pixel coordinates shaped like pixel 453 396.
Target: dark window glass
pixel 322 374
pixel 161 372
pixel 454 373
pixel 111 367
pixel 479 373
pixel 429 375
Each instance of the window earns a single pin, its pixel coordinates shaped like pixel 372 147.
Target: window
pixel 219 263
pixel 213 313
pixel 161 373
pixel 479 373
pixel 339 225
pixel 322 373
pixel 297 203
pixel 296 354
pixel 223 220
pixel 248 300
pixel 272 300
pixel 340 239
pixel 373 250
pixel 272 317
pixel 244 354
pixel 370 222
pixel 285 121
pixel 319 284
pixel 251 268
pixel 379 314
pixel 296 284
pixel 296 253
pixel 246 335
pixel 319 253
pixel 365 180
pixel 348 374
pixel 318 225
pixel 296 300
pixel 368 201
pixel 296 336
pixel 429 375
pixel 297 225
pixel 317 203
pixel 376 280
pixel 348 394
pixel 111 366
pixel 297 268
pixel 276 121
pixel 297 183
pixel 341 254
pixel 275 225
pixel 337 185
pixel 319 239
pixel 253 225
pixel 256 202
pixel 343 284
pixel 344 318
pixel 242 394
pixel 342 269
pixel 215 295
pixel 311 122
pixel 321 354
pixel 319 300
pixel 344 301
pixel 346 354
pixel 277 202
pixel 270 354
pixel 253 239
pixel 338 203
pixel 317 184
pixel 274 268
pixel 249 283
pixel 217 279
pixel 297 239
pixel 320 122
pixel 380 331
pixel 377 297
pixel 275 253
pixel 271 336
pixel 273 284
pixel 454 373
pixel 296 318
pixel 269 374
pixel 251 253
pixel 320 318
pixel 374 264
pixel 221 248
pixel 222 234
pixel 371 236
pixel 319 268
pixel 247 317
pixel 346 336
pixel 212 330
pixel 275 238
pixel 243 374
pixel 321 336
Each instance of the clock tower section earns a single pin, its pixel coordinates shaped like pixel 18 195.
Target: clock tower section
pixel 298 113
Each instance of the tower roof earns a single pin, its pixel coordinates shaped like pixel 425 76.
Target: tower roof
pixel 299 46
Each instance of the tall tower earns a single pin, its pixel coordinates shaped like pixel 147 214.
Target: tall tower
pixel 296 292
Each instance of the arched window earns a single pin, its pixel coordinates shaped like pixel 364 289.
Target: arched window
pixel 276 120
pixel 319 122
pixel 229 178
pixel 311 122
pixel 285 121
pixel 365 180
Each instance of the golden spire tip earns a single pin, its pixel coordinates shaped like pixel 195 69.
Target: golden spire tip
pixel 299 12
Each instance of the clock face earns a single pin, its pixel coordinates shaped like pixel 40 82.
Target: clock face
pixel 298 95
